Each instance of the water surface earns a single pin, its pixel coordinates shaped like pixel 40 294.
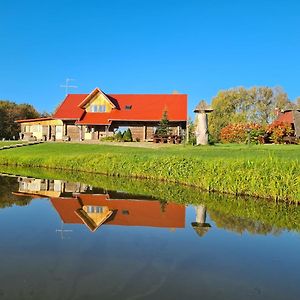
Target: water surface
pixel 104 238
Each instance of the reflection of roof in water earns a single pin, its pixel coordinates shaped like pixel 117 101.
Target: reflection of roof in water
pixel 126 212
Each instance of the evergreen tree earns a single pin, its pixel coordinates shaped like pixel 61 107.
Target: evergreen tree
pixel 127 137
pixel 163 126
pixel 119 136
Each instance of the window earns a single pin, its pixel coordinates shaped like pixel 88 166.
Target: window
pixel 94 209
pixel 98 108
pixel 128 107
pixel 102 108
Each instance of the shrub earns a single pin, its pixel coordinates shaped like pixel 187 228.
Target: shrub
pixel 239 133
pixel 108 139
pixel 278 130
pixel 118 136
pixel 127 136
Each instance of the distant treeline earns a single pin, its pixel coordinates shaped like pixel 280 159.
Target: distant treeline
pixel 9 113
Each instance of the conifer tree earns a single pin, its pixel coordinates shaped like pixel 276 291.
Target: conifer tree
pixel 163 126
pixel 127 137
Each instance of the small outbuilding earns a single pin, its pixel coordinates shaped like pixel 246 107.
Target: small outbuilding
pixel 292 117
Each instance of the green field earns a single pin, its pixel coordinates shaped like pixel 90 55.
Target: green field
pixel 268 171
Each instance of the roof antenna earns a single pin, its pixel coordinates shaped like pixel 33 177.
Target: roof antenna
pixel 67 86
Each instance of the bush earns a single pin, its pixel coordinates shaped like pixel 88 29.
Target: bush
pixel 127 136
pixel 108 139
pixel 278 130
pixel 239 133
pixel 118 136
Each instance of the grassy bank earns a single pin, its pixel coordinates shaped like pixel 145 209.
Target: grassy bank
pixel 268 171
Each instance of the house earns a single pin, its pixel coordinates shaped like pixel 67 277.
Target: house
pixel 290 116
pixel 97 115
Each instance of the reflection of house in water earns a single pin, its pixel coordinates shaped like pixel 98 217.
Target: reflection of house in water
pixel 76 204
pixel 126 212
pixel 48 187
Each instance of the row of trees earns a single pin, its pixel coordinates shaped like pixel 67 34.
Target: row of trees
pixel 256 105
pixel 9 113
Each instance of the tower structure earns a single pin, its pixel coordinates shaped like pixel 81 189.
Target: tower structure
pixel 201 121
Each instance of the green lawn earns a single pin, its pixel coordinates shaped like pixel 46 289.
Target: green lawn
pixel 269 171
pixel 286 152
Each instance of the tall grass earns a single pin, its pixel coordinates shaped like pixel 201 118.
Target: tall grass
pixel 265 176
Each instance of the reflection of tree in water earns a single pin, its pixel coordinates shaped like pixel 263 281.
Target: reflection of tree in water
pixel 163 205
pixel 7 199
pixel 240 225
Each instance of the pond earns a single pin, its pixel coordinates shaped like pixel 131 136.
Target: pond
pixel 66 236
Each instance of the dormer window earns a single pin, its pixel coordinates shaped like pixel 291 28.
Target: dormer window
pixel 128 107
pixel 102 108
pixel 98 108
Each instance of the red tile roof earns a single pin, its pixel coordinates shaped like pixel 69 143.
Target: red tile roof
pixel 34 120
pixel 285 117
pixel 148 107
pixel 93 118
pixel 69 109
pixel 151 107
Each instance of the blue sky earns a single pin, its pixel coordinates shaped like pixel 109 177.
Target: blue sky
pixel 137 46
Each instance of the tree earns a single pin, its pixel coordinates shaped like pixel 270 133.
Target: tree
pixel 127 136
pixel 163 126
pixel 191 138
pixel 119 136
pixel 9 113
pixel 241 105
pixel 229 107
